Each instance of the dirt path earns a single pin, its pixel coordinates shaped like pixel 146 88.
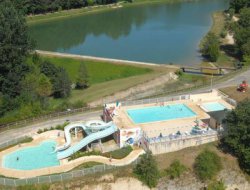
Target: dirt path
pixel 148 87
pixel 229 39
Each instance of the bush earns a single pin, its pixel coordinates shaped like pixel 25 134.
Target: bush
pixel 179 73
pixel 147 171
pixel 217 185
pixel 82 154
pixel 223 33
pixel 207 165
pixel 57 127
pixel 210 47
pixel 176 169
pixel 120 153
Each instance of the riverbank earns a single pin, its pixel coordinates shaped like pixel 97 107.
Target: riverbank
pixel 218 27
pixel 33 19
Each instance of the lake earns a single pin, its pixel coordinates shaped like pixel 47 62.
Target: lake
pixel 158 33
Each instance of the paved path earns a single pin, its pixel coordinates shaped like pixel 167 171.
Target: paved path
pixel 14 133
pixel 92 58
pixel 234 81
pixel 31 129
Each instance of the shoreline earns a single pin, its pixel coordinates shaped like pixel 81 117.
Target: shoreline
pixel 48 17
pixel 103 59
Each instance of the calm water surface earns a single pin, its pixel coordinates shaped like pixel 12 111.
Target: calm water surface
pixel 158 33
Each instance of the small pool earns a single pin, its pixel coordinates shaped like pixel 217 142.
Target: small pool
pixel 160 113
pixel 213 106
pixel 30 158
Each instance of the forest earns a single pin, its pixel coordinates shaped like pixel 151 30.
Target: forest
pixel 31 7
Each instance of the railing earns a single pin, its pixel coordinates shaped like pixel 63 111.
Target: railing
pixel 179 137
pixel 46 117
pixel 12 142
pixel 60 177
pixel 154 100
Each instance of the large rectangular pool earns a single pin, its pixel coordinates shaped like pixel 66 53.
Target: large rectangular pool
pixel 160 113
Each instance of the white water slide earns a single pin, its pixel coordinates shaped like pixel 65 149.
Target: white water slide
pixel 98 130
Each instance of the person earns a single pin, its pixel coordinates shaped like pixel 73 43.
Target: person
pixel 17 158
pixel 160 135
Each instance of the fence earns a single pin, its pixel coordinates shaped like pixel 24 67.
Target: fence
pixel 12 142
pixel 60 177
pixel 154 100
pixel 227 99
pixel 164 145
pixel 48 116
pixel 179 137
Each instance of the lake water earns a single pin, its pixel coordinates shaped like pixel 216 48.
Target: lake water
pixel 157 33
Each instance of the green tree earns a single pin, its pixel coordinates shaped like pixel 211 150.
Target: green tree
pixel 83 77
pixel 62 85
pixel 147 170
pixel 44 88
pixel 216 185
pixel 237 5
pixel 242 32
pixel 14 47
pixel 236 138
pixel 29 85
pixel 59 79
pixel 176 169
pixel 207 165
pixel 211 47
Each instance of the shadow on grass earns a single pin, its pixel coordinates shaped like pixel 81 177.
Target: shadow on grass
pixel 230 50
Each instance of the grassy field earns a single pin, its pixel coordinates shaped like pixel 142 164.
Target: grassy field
pixel 187 157
pixel 232 92
pixel 105 78
pixel 98 71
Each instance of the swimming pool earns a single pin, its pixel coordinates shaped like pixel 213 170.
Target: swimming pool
pixel 213 106
pixel 29 158
pixel 160 113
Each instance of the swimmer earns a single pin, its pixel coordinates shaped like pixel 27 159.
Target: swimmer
pixel 17 158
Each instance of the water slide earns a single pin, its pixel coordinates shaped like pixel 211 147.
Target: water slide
pixel 68 136
pixel 104 130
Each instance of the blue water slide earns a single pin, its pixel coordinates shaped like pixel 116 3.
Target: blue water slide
pixel 108 129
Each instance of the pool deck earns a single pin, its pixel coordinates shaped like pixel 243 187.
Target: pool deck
pixel 153 129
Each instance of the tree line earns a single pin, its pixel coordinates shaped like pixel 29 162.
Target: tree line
pixel 241 29
pixel 210 47
pixel 27 81
pixel 45 6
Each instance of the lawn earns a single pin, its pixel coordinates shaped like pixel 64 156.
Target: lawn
pixel 232 92
pixel 105 78
pixel 98 71
pixel 187 157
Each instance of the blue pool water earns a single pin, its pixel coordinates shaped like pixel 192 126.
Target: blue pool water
pixel 160 113
pixel 213 106
pixel 40 156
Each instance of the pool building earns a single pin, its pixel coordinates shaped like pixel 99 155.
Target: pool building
pixel 168 120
